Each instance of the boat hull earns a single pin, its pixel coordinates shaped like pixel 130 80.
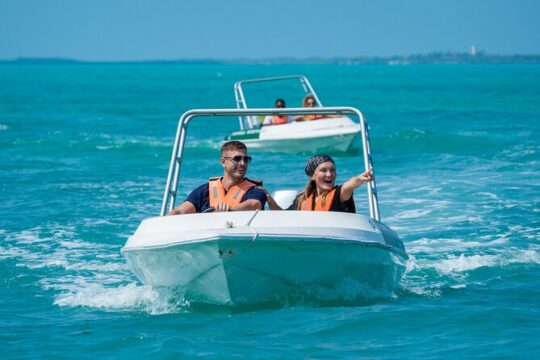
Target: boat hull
pixel 334 134
pixel 348 260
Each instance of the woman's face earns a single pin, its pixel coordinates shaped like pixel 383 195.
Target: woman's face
pixel 324 176
pixel 310 102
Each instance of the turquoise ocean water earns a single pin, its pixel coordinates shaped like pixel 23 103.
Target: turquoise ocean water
pixel 85 150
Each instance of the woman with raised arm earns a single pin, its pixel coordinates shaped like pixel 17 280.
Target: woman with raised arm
pixel 321 193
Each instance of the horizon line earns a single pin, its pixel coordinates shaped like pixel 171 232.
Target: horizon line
pixel 437 56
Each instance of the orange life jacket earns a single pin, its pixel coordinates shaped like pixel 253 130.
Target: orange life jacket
pixel 313 117
pixel 308 204
pixel 279 120
pixel 233 196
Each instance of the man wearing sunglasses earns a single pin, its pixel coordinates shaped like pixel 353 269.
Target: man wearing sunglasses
pixel 231 192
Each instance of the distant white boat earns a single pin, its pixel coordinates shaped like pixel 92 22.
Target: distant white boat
pixel 259 257
pixel 327 134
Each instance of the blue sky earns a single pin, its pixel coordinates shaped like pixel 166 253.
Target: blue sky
pixel 114 30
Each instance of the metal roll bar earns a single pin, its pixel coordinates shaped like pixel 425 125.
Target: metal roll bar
pixel 171 187
pixel 241 99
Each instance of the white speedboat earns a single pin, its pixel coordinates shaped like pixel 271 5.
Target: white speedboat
pixel 267 256
pixel 258 257
pixel 326 134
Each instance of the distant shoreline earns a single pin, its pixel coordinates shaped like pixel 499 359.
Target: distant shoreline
pixel 431 58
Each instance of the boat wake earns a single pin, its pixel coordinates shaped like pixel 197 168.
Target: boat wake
pixel 130 297
pixel 73 273
pixel 440 272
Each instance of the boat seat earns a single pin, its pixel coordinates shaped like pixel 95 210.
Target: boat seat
pixel 285 198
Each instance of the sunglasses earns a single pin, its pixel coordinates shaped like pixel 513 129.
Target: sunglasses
pixel 310 103
pixel 236 159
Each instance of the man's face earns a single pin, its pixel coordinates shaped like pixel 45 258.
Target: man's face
pixel 235 163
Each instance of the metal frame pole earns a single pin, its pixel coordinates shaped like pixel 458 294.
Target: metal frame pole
pixel 173 176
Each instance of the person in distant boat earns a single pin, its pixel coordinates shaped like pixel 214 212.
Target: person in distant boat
pixel 310 101
pixel 231 192
pixel 321 193
pixel 277 119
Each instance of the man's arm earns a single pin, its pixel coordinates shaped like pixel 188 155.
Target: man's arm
pixel 193 203
pixel 251 204
pixel 254 199
pixel 272 204
pixel 185 208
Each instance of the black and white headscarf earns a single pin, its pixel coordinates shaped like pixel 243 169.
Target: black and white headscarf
pixel 315 161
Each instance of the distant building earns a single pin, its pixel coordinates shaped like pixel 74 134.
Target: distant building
pixel 473 50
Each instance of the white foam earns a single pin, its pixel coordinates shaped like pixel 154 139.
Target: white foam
pixel 519 151
pixel 76 245
pixel 410 214
pixel 118 142
pixel 84 274
pixel 98 222
pixel 128 297
pixel 424 291
pixel 10 252
pixel 426 190
pixel 428 274
pixel 464 263
pixel 527 232
pixel 411 264
pixel 472 133
pixel 405 200
pixel 25 237
pixel 3 127
pixel 208 143
pixel 489 195
pixel 446 245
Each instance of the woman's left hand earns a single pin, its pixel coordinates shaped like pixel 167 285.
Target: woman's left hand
pixel 366 176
